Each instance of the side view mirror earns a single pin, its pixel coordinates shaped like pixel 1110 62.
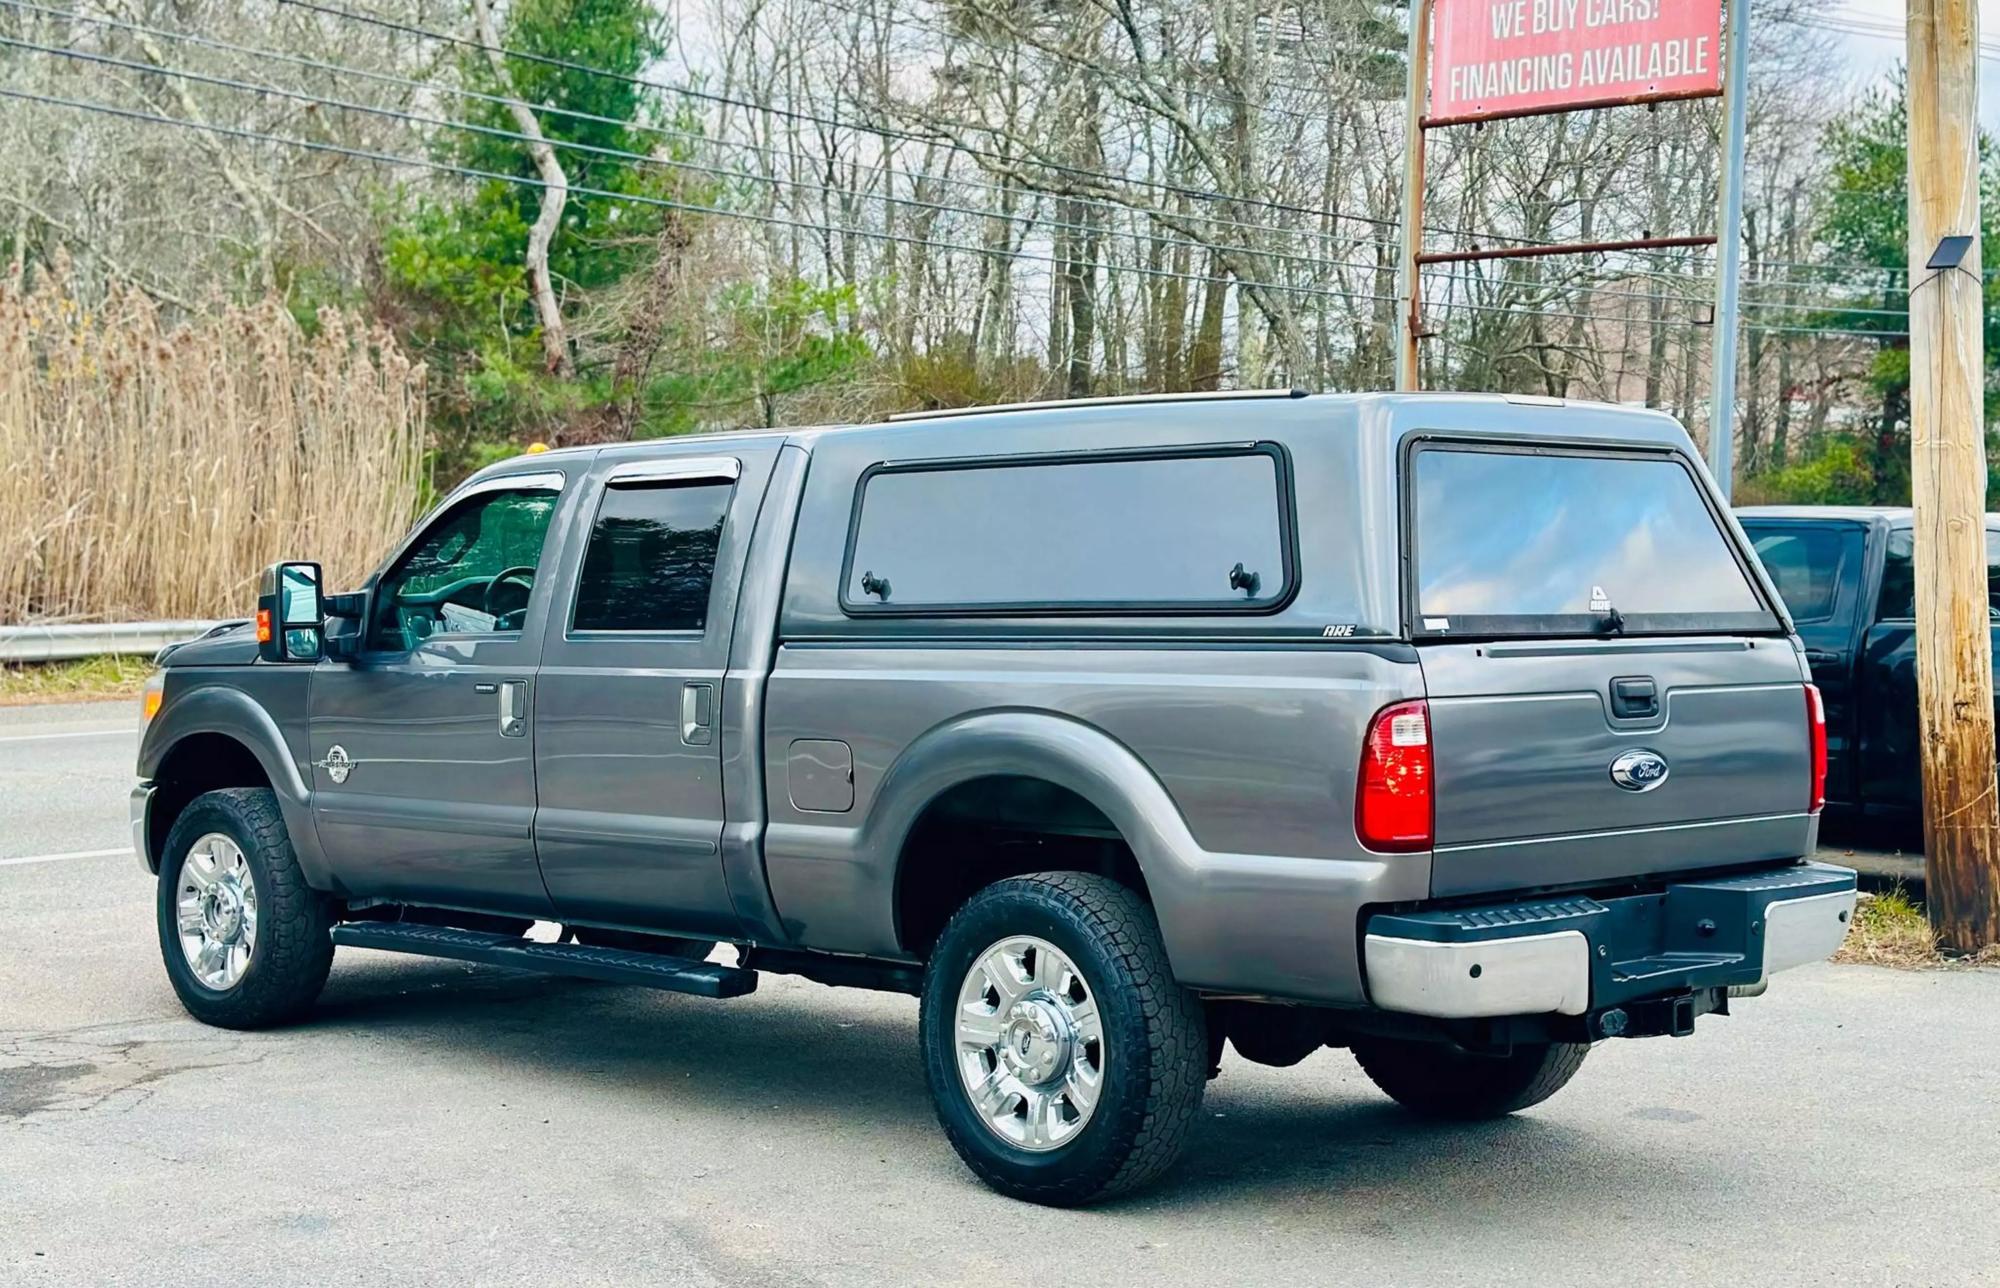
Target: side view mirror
pixel 346 619
pixel 291 613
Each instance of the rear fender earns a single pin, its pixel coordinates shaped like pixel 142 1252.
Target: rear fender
pixel 1257 923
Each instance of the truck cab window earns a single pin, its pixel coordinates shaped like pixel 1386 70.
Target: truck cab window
pixel 651 561
pixel 470 573
pixel 1899 577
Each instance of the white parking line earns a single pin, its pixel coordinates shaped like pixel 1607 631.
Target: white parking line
pixel 58 858
pixel 50 737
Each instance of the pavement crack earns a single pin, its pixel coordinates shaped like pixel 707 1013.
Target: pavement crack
pixel 65 1075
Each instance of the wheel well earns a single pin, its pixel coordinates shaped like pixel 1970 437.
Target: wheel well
pixel 989 829
pixel 201 762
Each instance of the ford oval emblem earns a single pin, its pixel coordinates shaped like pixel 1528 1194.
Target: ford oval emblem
pixel 1639 771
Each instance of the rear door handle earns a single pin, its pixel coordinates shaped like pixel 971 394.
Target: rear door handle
pixel 1635 697
pixel 513 708
pixel 697 713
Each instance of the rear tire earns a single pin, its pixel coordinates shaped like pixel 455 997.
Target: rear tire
pixel 1100 1098
pixel 246 941
pixel 1438 1080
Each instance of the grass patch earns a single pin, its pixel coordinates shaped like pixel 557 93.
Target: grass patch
pixel 1891 929
pixel 78 680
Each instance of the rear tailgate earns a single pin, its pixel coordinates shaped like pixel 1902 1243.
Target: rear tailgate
pixel 1524 743
pixel 1611 694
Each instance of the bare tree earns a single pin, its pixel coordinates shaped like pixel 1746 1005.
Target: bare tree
pixel 548 217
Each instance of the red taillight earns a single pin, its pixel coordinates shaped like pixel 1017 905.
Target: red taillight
pixel 1392 796
pixel 1816 723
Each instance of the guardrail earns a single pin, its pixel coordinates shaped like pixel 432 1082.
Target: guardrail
pixel 92 639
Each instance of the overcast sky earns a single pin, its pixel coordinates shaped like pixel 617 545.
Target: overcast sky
pixel 1876 55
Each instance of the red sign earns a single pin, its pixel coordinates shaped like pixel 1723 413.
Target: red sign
pixel 1521 57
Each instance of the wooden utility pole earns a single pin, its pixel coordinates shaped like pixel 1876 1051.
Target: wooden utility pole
pixel 1948 479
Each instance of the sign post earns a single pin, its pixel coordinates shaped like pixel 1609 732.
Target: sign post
pixel 1409 276
pixel 1491 60
pixel 1729 256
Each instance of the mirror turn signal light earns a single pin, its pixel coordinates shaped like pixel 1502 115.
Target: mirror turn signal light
pixel 263 626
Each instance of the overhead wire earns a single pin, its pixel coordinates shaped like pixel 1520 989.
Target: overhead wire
pixel 445 167
pixel 666 163
pixel 654 129
pixel 823 190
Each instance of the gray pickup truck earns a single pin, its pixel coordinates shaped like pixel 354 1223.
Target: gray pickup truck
pixel 1462 732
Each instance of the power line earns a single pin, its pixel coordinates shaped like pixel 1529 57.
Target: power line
pixel 444 167
pixel 881 131
pixel 1616 318
pixel 889 132
pixel 833 123
pixel 886 168
pixel 1028 221
pixel 1825 331
pixel 1599 286
pixel 392 159
pixel 823 189
pixel 912 23
pixel 1854 25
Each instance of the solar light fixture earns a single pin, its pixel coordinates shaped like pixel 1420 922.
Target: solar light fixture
pixel 1950 253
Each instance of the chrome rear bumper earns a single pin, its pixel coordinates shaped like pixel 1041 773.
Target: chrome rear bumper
pixel 1574 955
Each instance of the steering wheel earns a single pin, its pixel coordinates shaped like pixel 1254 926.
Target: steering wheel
pixel 524 576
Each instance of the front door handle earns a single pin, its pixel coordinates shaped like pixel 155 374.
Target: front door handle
pixel 513 708
pixel 697 714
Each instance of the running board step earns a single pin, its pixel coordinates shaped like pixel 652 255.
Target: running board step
pixel 612 965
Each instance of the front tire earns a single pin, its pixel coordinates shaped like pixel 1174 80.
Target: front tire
pixel 1065 1062
pixel 247 943
pixel 1437 1080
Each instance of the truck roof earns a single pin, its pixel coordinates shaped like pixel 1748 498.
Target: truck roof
pixel 1397 412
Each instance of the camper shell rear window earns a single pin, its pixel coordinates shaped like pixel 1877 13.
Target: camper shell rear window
pixel 1512 540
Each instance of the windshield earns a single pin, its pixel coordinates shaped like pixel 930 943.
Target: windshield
pixel 1544 542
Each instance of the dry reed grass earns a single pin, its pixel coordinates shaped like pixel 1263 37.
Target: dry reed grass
pixel 149 471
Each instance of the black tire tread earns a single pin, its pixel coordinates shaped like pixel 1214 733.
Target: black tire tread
pixel 1176 1062
pixel 1439 1081
pixel 294 921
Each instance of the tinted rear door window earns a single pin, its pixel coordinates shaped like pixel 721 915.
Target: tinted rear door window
pixel 651 560
pixel 1202 532
pixel 1804 563
pixel 1517 542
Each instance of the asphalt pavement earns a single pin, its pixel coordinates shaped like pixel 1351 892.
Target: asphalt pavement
pixel 436 1123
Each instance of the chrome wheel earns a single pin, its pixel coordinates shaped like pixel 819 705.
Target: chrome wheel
pixel 1030 1043
pixel 216 907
